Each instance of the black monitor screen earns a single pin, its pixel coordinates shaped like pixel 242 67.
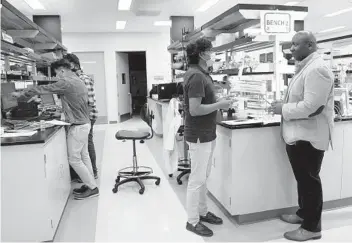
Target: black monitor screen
pixel 47 99
pixel 7 101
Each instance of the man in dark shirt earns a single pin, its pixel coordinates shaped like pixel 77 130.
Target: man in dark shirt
pixel 74 97
pixel 200 133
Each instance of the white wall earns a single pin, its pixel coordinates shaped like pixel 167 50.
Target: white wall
pixel 157 57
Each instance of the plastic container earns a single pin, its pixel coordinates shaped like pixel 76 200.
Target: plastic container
pixel 42 125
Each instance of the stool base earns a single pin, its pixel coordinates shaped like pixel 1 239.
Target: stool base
pixel 137 179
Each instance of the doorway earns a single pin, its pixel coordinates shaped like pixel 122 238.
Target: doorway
pixel 131 71
pixel 92 63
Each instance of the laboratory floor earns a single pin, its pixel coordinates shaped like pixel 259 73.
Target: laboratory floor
pixel 159 214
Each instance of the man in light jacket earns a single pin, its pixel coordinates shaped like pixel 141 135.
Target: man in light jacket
pixel 307 122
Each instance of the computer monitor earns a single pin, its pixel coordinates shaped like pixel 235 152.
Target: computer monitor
pixel 7 101
pixel 47 99
pixel 166 91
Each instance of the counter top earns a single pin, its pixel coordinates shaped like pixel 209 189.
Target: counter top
pixel 162 102
pixel 39 137
pixel 258 125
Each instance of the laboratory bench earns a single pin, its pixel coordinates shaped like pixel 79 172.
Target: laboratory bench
pixel 251 175
pixel 159 110
pixel 252 178
pixel 35 185
pixel 38 138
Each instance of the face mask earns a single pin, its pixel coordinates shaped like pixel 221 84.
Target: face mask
pixel 209 61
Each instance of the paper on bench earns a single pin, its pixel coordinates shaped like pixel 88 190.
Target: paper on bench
pixel 236 123
pixel 18 134
pixel 57 123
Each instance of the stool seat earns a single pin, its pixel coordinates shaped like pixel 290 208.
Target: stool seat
pixel 131 135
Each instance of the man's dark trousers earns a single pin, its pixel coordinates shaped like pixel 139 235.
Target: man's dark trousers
pixel 306 163
pixel 91 148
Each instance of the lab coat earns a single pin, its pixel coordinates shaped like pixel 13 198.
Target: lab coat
pixel 172 141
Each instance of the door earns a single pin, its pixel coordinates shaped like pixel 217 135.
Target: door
pixel 123 84
pixel 92 63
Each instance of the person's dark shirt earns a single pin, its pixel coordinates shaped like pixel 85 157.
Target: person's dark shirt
pixel 198 84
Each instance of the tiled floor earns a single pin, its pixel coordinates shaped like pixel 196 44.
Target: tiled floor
pixel 159 214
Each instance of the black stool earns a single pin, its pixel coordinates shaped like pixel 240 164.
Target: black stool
pixel 134 173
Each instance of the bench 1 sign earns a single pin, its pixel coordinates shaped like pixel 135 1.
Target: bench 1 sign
pixel 276 22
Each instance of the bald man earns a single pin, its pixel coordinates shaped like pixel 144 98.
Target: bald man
pixel 307 123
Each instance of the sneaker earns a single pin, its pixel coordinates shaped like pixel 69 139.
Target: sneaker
pixel 89 193
pixel 80 190
pixel 200 229
pixel 211 219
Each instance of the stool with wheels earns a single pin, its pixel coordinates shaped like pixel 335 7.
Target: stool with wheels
pixel 184 165
pixel 135 172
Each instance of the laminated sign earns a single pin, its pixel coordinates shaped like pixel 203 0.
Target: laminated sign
pixel 276 22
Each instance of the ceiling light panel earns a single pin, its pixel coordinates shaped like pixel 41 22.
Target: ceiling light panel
pixel 332 29
pixel 338 12
pixel 207 5
pixel 124 5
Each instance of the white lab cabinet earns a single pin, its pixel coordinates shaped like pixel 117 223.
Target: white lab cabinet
pixel 35 186
pixel 251 172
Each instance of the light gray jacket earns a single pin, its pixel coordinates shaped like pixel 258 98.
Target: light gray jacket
pixel 311 88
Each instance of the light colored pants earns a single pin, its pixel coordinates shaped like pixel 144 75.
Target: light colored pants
pixel 78 156
pixel 201 159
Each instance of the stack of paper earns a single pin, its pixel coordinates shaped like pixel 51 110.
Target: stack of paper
pixel 57 123
pixel 247 122
pixel 18 134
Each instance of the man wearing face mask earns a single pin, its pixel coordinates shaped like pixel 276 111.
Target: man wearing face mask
pixel 74 97
pixel 201 109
